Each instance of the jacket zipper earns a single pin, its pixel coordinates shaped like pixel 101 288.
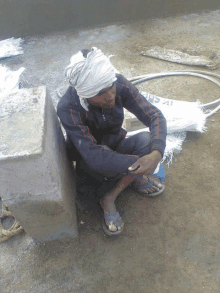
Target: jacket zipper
pixel 103 116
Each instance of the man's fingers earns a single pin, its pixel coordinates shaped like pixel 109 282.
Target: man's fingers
pixel 134 167
pixel 140 171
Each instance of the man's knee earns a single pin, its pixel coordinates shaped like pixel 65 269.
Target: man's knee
pixel 142 138
pixel 142 143
pixel 137 144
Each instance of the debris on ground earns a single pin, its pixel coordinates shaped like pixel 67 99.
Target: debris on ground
pixel 180 57
pixel 11 47
pixel 15 228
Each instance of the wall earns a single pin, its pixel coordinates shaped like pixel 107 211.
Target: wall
pixel 20 18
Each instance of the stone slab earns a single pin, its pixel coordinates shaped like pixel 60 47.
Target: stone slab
pixel 36 178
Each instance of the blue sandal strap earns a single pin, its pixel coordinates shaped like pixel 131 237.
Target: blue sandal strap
pixel 112 218
pixel 149 184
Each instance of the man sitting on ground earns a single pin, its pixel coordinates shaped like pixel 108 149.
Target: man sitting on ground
pixel 91 112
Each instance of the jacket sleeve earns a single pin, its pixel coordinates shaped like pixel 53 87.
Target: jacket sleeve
pixel 100 159
pixel 147 113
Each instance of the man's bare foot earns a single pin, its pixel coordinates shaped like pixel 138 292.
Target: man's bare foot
pixel 113 222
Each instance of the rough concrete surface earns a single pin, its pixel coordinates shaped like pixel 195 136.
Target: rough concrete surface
pixel 22 118
pixel 171 243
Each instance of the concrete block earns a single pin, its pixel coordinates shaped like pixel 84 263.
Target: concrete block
pixel 36 178
pixel 131 124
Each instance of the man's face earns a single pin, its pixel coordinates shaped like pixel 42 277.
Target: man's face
pixel 106 99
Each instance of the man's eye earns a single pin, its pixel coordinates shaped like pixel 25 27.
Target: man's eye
pixel 104 91
pixel 100 94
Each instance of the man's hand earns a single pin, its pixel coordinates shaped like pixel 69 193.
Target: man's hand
pixel 147 164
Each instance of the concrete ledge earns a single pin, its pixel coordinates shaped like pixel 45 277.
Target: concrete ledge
pixel 36 178
pixel 131 124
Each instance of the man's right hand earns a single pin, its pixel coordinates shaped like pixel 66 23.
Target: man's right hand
pixel 147 164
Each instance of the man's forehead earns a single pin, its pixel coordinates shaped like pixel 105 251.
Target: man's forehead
pixel 102 91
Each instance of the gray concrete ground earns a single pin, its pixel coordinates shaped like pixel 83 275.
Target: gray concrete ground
pixel 171 243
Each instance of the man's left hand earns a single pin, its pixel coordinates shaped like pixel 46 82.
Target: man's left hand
pixel 147 164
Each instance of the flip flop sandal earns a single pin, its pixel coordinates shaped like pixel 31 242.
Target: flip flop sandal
pixel 140 188
pixel 111 220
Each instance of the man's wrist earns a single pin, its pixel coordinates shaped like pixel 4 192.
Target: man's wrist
pixel 157 155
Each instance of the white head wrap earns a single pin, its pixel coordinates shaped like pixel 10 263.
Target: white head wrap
pixel 90 75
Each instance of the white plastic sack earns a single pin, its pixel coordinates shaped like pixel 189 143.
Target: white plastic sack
pixel 180 115
pixel 9 80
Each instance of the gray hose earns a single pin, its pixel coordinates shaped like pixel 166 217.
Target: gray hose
pixel 173 73
pixel 213 111
pixel 205 73
pixel 197 73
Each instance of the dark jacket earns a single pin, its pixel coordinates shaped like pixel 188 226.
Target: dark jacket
pixel 90 130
